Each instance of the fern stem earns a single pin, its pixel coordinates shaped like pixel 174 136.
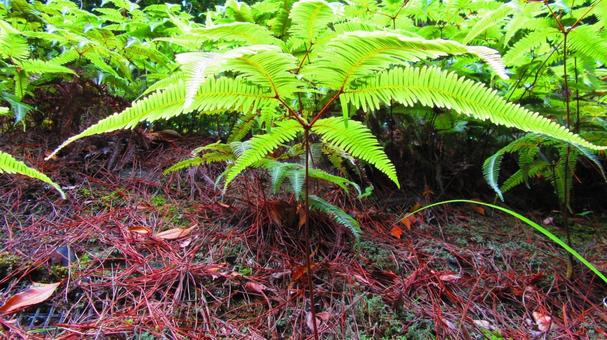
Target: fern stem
pixel 566 189
pixel 307 229
pixel 325 107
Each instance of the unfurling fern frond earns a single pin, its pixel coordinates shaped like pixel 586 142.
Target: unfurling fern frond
pixel 338 215
pixel 431 86
pixel 357 140
pixel 261 145
pixel 359 54
pixel 9 165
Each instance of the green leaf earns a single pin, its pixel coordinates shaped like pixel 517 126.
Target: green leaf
pixel 357 140
pixel 10 165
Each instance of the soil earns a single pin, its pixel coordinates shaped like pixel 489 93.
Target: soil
pixel 239 272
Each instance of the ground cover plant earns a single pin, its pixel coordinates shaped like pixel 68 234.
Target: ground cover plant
pixel 310 123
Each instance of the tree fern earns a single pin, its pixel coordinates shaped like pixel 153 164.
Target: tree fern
pixel 10 165
pixel 357 140
pixel 431 86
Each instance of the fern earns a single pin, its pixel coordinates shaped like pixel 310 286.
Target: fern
pixel 244 32
pixel 261 145
pixel 309 18
pixel 355 55
pixel 338 215
pixel 10 165
pixel 198 65
pixel 430 86
pixel 357 140
pixel 41 66
pixel 488 20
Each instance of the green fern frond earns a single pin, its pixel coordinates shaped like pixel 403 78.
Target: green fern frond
pixel 431 86
pixel 297 180
pixel 520 176
pixel 521 51
pixel 246 32
pixel 488 20
pixel 9 165
pixel 40 66
pixel 184 164
pixel 261 145
pixel 491 171
pixel 158 105
pixel 309 18
pixel 196 66
pixel 586 40
pixel 355 55
pixel 338 215
pixel 357 140
pixel 223 94
pixel 269 69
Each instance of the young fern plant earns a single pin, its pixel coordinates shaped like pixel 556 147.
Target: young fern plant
pixel 325 69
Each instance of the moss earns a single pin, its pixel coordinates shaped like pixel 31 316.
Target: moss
pixel 8 263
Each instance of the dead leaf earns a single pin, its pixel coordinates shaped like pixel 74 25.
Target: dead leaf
pixel 255 287
pixel 478 210
pixel 38 292
pixel 416 206
pixel 300 271
pixel 396 232
pixel 139 229
pixel 185 243
pixel 548 221
pixel 542 321
pixel 309 321
pixel 324 316
pixel 483 324
pixel 223 205
pixel 449 277
pixel 175 233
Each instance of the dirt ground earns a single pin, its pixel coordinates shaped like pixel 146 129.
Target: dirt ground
pixel 231 266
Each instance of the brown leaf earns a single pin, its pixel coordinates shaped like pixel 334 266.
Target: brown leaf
pixel 35 294
pixel 396 232
pixel 139 229
pixel 300 271
pixel 478 210
pixel 175 233
pixel 408 221
pixel 542 321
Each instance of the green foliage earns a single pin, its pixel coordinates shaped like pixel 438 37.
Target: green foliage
pixel 10 165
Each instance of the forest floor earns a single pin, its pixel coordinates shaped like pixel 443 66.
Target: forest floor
pixel 231 267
